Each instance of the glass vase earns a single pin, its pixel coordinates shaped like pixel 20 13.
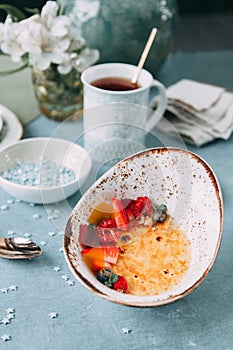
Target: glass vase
pixel 119 29
pixel 59 96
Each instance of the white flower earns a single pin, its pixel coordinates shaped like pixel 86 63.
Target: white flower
pixel 43 60
pixel 2 36
pixel 77 41
pixel 9 39
pixel 42 45
pixel 46 39
pixel 31 39
pixel 57 25
pixel 86 58
pixel 49 12
pixel 60 26
pixel 65 66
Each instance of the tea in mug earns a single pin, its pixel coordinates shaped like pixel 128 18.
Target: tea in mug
pixel 115 84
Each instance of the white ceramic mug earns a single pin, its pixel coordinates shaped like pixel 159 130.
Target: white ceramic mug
pixel 119 115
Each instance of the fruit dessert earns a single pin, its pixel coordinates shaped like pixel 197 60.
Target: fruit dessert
pixel 134 247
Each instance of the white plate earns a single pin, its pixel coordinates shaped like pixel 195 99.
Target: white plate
pixel 11 129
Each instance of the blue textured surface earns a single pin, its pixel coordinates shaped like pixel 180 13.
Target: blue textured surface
pixel 202 320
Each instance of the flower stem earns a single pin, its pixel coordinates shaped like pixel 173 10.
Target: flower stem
pixel 7 72
pixel 61 7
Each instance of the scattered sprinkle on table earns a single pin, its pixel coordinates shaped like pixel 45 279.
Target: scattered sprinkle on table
pixel 65 277
pixel 36 216
pixel 190 343
pixel 53 216
pixel 6 337
pixel 4 207
pixel 56 268
pixel 10 316
pixel 5 320
pixel 126 330
pixel 27 234
pixel 51 233
pixel 13 288
pixel 10 310
pixel 70 283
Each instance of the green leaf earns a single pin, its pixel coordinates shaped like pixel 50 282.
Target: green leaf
pixel 159 207
pixel 14 12
pixel 8 72
pixel 108 284
pixel 112 279
pixel 34 11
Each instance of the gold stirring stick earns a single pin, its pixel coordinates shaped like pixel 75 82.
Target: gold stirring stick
pixel 144 55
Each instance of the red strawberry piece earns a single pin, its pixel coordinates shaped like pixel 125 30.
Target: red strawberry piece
pixel 130 214
pixel 142 206
pixel 126 202
pixel 130 203
pixel 121 217
pixel 107 223
pixel 86 251
pixel 129 209
pixel 127 205
pixel 106 237
pixel 121 285
pixel 88 236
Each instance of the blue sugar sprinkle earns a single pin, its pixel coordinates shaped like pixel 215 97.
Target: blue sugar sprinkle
pixel 46 173
pixel 36 216
pixel 4 207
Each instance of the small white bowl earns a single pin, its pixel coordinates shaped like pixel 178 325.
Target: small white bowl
pixel 181 180
pixel 60 151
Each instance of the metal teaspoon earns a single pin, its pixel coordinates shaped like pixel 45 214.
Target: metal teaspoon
pixel 18 248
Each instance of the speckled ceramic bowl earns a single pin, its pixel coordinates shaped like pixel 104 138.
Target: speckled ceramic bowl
pixel 192 194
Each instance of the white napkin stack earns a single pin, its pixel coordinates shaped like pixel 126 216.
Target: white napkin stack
pixel 200 112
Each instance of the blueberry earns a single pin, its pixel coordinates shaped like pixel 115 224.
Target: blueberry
pixel 104 275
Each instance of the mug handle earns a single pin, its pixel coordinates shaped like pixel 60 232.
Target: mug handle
pixel 162 104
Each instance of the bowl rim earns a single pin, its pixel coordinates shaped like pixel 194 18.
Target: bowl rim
pixel 172 298
pixel 45 188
